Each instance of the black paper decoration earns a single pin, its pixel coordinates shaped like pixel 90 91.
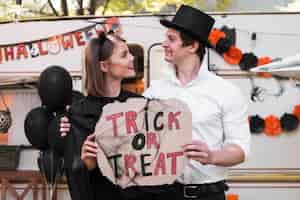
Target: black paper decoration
pixel 289 122
pixel 257 124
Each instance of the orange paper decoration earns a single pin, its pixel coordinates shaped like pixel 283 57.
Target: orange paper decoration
pixel 264 74
pixel 232 197
pixel 215 35
pixel 233 55
pixel 297 111
pixel 272 126
pixel 263 61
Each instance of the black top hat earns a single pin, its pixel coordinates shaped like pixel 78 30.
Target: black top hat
pixel 192 22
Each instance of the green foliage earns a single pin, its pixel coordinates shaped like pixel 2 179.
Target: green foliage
pixel 121 6
pixel 42 8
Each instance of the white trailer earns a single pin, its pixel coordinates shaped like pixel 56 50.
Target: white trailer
pixel 272 171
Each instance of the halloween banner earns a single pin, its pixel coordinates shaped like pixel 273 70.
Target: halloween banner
pixel 61 45
pixel 140 141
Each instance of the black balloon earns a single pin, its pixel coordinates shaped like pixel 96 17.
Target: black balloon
pixel 55 88
pixel 56 142
pixel 50 165
pixel 36 127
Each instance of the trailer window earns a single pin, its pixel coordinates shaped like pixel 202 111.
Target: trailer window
pixel 136 84
pixel 138 53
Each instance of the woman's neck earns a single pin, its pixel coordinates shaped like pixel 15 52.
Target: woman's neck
pixel 187 70
pixel 112 87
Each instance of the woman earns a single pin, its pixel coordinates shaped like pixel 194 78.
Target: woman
pixel 107 62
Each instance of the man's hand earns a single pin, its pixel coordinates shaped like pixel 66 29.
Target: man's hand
pixel 198 151
pixel 229 155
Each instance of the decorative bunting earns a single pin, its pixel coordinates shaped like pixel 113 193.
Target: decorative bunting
pixel 55 44
pixel 52 45
pixel 224 42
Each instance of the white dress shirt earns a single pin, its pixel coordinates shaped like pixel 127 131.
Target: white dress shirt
pixel 219 117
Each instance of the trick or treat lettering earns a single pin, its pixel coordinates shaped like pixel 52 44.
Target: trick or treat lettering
pixel 140 141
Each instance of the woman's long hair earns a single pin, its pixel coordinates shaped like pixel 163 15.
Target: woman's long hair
pixel 99 49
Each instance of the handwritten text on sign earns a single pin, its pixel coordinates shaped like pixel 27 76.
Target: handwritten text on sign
pixel 143 146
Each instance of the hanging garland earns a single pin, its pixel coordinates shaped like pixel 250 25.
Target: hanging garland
pixel 274 126
pixel 56 43
pixel 224 42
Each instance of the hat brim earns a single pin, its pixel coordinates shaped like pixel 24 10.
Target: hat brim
pixel 170 24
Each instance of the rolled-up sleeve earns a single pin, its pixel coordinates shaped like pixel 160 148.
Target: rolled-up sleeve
pixel 235 121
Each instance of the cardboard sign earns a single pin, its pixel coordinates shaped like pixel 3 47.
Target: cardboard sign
pixel 140 141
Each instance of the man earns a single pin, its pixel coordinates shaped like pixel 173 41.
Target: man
pixel 221 136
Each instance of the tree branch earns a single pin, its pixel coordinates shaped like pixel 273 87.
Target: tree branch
pixel 43 7
pixel 40 12
pixel 105 6
pixel 94 4
pixel 80 10
pixel 92 7
pixel 52 7
pixel 64 7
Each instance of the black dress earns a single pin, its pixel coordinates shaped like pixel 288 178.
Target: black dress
pixel 84 184
pixel 92 185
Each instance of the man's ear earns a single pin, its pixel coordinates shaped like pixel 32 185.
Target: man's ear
pixel 194 46
pixel 103 66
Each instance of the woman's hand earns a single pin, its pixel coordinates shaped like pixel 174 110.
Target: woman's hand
pixel 65 126
pixel 89 152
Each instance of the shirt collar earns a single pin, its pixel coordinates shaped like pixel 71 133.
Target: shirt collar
pixel 202 74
